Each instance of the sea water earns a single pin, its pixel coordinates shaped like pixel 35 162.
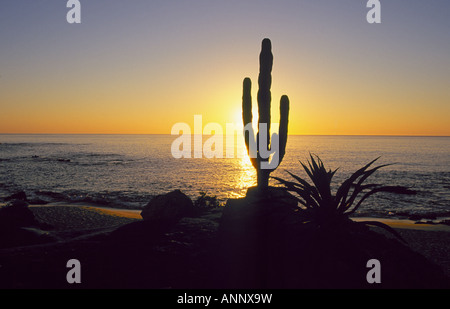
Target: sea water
pixel 127 170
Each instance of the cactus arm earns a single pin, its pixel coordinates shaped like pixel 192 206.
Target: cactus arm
pixel 247 101
pixel 247 117
pixel 283 128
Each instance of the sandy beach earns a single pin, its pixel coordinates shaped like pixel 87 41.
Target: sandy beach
pixel 83 216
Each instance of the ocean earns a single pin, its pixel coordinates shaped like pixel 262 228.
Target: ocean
pixel 127 170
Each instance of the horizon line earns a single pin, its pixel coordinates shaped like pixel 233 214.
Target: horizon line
pixel 367 135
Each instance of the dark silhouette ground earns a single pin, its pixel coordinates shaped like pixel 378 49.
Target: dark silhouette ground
pixel 244 245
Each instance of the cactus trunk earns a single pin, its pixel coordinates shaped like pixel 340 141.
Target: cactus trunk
pixel 263 178
pixel 264 94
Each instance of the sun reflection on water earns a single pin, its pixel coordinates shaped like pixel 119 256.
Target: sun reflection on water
pixel 245 176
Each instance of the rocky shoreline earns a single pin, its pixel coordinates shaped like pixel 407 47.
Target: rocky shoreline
pixel 190 248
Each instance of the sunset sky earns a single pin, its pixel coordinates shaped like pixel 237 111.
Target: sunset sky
pixel 142 66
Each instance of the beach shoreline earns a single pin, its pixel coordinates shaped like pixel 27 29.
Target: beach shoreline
pixel 407 224
pixel 430 240
pixel 79 226
pixel 135 214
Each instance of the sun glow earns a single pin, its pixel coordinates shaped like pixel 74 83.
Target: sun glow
pixel 246 177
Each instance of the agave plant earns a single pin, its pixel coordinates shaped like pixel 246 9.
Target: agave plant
pixel 327 210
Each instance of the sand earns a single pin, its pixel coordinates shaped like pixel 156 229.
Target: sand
pixel 83 216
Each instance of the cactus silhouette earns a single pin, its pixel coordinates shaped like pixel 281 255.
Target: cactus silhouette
pixel 264 143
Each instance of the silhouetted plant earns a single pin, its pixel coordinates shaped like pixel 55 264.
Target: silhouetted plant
pixel 205 201
pixel 326 210
pixel 264 101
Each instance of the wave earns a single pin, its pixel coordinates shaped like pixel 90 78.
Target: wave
pixel 126 200
pixel 28 144
pixel 74 159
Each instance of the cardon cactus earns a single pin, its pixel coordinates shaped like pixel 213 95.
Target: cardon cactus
pixel 261 149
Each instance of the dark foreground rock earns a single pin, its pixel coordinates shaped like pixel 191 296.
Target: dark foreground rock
pixel 21 195
pixel 17 214
pixel 263 246
pixel 19 227
pixel 168 208
pixel 158 252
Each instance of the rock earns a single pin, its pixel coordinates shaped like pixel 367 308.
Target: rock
pixel 17 214
pixel 274 196
pixel 168 208
pixel 19 227
pixel 18 204
pixel 38 201
pixel 417 217
pixel 24 236
pixel 17 196
pixel 264 245
pixel 53 195
pixel 446 222
pixel 258 208
pixel 248 228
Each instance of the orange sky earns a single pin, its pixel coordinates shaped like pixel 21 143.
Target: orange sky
pixel 154 65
